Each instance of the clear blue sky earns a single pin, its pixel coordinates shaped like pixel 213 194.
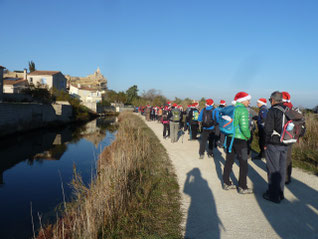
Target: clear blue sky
pixel 183 48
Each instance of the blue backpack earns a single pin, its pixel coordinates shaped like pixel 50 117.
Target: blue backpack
pixel 226 123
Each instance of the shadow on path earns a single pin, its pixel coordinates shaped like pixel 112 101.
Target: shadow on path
pixel 203 221
pixel 290 219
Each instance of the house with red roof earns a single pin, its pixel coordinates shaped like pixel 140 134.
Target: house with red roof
pixel 48 78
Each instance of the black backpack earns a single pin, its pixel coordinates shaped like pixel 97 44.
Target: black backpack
pixel 207 118
pixel 165 115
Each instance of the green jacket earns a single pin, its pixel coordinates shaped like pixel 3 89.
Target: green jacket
pixel 241 122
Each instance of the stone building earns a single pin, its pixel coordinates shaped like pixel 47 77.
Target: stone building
pixel 94 81
pixel 49 78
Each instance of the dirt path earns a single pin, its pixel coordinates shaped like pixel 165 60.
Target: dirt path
pixel 211 212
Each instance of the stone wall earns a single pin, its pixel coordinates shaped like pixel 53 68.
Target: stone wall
pixel 18 117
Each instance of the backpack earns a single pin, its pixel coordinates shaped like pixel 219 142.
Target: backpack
pixel 226 123
pixel 165 115
pixel 175 115
pixel 195 115
pixel 208 118
pixel 293 125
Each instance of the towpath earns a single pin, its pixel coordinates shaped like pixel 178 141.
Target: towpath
pixel 211 212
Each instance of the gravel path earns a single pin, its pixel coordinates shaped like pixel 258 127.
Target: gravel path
pixel 211 212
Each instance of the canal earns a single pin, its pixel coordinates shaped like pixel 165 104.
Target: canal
pixel 34 168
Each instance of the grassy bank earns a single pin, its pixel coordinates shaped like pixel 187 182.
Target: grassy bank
pixel 134 195
pixel 305 152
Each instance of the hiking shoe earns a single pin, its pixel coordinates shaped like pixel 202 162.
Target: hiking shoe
pixel 228 187
pixel 201 156
pixel 245 191
pixel 267 197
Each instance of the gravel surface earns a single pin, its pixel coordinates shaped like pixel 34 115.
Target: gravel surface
pixel 211 212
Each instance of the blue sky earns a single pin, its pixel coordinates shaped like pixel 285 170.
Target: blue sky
pixel 183 48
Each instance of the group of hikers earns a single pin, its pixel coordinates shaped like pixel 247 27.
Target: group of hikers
pixel 232 128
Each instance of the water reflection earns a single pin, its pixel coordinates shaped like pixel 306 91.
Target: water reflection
pixel 33 165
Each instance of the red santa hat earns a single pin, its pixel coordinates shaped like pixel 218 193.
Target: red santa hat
pixel 196 104
pixel 222 102
pixel 286 97
pixel 169 103
pixel 262 101
pixel 209 102
pixel 174 105
pixel 242 96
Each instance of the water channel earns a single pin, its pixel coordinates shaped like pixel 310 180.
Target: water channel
pixel 34 166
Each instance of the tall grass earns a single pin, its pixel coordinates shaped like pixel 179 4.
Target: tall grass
pixel 305 153
pixel 134 195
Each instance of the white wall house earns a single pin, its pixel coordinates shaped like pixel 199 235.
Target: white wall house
pixel 50 78
pixel 86 94
pixel 14 85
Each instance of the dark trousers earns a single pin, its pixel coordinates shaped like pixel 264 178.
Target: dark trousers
pixel 206 135
pixel 276 169
pixel 166 128
pixel 261 141
pixel 194 130
pixel 289 165
pixel 239 150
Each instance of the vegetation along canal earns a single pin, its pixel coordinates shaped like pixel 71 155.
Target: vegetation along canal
pixel 36 166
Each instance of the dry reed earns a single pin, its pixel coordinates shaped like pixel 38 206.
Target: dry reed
pixel 134 195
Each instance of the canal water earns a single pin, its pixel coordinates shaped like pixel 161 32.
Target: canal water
pixel 34 166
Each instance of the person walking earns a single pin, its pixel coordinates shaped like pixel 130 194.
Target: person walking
pixel 289 166
pixel 275 151
pixel 221 137
pixel 193 117
pixel 148 112
pixel 239 147
pixel 261 103
pixel 174 123
pixel 208 117
pixel 166 116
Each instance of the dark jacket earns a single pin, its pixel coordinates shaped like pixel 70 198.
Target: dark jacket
pixel 262 117
pixel 273 122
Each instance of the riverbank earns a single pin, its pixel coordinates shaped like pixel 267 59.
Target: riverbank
pixel 134 195
pixel 22 117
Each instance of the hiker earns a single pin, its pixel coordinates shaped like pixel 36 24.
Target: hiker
pixel 287 102
pixel 221 137
pixel 148 112
pixel 192 119
pixel 208 117
pixel 275 150
pixel 261 103
pixel 166 115
pixel 174 123
pixel 187 117
pixel 237 144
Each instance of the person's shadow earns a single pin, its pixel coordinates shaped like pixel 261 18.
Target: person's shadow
pixel 293 218
pixel 203 221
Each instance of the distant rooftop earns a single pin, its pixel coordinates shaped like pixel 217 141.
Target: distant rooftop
pixel 46 73
pixel 13 82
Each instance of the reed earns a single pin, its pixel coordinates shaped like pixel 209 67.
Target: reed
pixel 134 194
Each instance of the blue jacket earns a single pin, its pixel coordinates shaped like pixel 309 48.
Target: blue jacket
pixel 215 115
pixel 262 116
